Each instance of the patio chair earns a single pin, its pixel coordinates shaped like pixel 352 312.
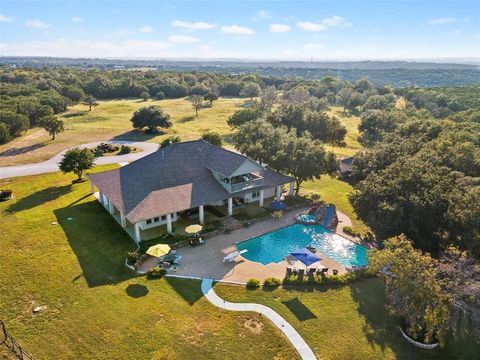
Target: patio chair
pixel 312 271
pixel 301 273
pixel 325 271
pixel 335 272
pixel 289 271
pixel 177 259
pixel 295 271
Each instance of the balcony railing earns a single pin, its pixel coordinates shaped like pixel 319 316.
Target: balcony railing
pixel 246 185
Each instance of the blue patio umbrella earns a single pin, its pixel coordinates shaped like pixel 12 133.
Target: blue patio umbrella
pixel 305 256
pixel 277 205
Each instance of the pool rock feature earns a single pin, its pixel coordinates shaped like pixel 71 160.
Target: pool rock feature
pixel 324 215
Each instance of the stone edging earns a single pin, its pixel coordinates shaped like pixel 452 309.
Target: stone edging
pixel 416 343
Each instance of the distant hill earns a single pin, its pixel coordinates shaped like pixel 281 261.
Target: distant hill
pixel 396 73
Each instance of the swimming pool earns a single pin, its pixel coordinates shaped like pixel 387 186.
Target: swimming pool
pixel 276 245
pixel 307 218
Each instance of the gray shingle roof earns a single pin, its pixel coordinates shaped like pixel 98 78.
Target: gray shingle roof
pixel 173 179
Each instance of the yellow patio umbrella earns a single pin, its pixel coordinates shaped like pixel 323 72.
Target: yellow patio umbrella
pixel 193 229
pixel 158 250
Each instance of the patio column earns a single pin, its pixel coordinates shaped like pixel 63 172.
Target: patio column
pixel 169 223
pixel 137 232
pixel 122 219
pixel 278 192
pixel 201 215
pixel 292 188
pixel 230 206
pixel 260 201
pixel 111 210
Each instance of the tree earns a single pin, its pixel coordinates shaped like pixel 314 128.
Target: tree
pixel 283 150
pixel 145 95
pixel 268 97
pixel 297 95
pixel 17 123
pixel 151 117
pixel 243 116
pixel 305 159
pixel 77 160
pixel 251 90
pixel 210 97
pixel 196 101
pixel 4 133
pixel 90 101
pixel 343 97
pixel 213 138
pixel 73 93
pixel 52 125
pixel 412 289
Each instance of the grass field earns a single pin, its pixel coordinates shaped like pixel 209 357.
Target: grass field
pixel 346 322
pixel 111 120
pixel 95 308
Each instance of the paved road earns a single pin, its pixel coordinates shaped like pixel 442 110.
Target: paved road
pixel 297 341
pixel 51 165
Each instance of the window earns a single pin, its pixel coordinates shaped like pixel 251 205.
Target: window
pixel 256 194
pixel 163 217
pixel 156 219
pixel 149 221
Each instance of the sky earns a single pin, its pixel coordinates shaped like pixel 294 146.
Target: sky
pixel 264 30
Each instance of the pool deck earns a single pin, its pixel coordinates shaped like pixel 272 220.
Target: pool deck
pixel 206 261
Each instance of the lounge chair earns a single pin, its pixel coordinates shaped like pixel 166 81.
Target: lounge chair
pixel 335 272
pixel 301 273
pixel 325 271
pixel 312 271
pixel 231 256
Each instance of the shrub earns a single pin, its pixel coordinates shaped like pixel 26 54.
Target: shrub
pixel 271 283
pixel 5 195
pixel 211 226
pixel 169 141
pixel 277 215
pixel 132 257
pixel 160 95
pixel 213 138
pixel 156 273
pixel 125 149
pixel 327 280
pixel 253 284
pixel 351 231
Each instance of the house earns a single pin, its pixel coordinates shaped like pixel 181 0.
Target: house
pixel 184 176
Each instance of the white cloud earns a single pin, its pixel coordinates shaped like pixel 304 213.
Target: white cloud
pixel 238 30
pixel 77 19
pixel 279 28
pixel 336 21
pixel 264 14
pixel 309 26
pixel 182 39
pixel 332 21
pixel 37 24
pixel 4 18
pixel 441 21
pixel 312 46
pixel 199 25
pixel 87 48
pixel 146 29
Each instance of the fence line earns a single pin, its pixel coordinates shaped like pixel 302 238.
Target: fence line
pixel 7 340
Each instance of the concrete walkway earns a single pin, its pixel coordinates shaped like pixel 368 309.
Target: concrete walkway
pixel 292 335
pixel 51 165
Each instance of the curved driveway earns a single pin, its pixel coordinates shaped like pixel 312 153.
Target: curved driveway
pixel 51 165
pixel 297 341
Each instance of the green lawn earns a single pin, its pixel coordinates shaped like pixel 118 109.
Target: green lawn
pixel 95 307
pixel 346 322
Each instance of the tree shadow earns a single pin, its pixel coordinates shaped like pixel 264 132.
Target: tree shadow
pixel 21 150
pixel 186 119
pixel 39 198
pixel 135 135
pixel 98 241
pixel 183 287
pixel 136 290
pixel 298 309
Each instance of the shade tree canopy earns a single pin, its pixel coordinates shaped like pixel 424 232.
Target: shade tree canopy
pixel 77 161
pixel 151 117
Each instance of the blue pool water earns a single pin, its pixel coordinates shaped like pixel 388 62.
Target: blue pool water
pixel 276 245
